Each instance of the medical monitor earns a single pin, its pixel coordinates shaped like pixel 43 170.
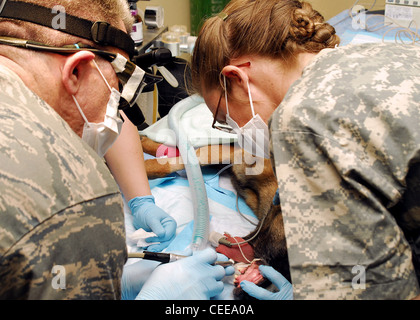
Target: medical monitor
pixel 405 13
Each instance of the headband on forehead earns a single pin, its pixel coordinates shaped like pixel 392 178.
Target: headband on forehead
pixel 132 78
pixel 101 33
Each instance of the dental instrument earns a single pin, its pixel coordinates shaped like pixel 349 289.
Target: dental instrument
pixel 170 257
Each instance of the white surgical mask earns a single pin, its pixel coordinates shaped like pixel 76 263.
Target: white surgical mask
pixel 254 136
pixel 101 136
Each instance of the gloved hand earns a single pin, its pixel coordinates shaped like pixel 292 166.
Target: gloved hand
pixel 134 276
pixel 285 288
pixel 152 218
pixel 192 278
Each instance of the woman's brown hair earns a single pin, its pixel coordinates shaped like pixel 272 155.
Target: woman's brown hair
pixel 278 29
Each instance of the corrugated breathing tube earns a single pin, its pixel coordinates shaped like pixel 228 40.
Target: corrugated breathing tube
pixel 193 170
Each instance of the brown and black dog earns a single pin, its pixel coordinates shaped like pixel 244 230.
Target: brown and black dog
pixel 257 189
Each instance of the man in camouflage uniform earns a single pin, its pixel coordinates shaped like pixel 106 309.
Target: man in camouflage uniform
pixel 346 148
pixel 60 207
pixel 61 213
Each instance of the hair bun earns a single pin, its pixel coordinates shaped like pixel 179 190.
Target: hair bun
pixel 309 28
pixel 302 27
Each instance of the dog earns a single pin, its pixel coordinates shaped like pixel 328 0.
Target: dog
pixel 254 180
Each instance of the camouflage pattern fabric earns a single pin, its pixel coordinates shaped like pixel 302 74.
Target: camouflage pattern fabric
pixel 61 213
pixel 346 148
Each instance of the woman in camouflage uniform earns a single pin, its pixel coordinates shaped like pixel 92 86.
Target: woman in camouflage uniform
pixel 62 232
pixel 344 141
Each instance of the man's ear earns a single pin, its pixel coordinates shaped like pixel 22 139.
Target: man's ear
pixel 75 68
pixel 237 76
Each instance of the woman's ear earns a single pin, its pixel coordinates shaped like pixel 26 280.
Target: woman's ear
pixel 237 76
pixel 75 69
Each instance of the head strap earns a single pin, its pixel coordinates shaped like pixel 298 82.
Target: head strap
pixel 102 33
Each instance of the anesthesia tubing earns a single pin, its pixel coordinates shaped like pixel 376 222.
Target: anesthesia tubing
pixel 194 174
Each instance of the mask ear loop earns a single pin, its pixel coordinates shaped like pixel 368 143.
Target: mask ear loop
pixel 103 77
pixel 226 99
pixel 249 96
pixel 80 110
pixel 250 100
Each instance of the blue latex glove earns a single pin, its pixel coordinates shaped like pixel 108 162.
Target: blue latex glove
pixel 229 270
pixel 134 276
pixel 150 217
pixel 192 278
pixel 285 288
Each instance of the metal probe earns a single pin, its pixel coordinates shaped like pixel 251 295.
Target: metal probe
pixel 164 257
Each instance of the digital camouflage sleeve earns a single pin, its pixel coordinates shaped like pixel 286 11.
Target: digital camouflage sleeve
pixel 61 213
pixel 346 148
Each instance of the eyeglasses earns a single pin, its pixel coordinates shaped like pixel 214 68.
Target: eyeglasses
pixel 217 125
pixel 131 78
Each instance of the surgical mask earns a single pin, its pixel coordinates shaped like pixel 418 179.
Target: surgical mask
pixel 254 136
pixel 101 136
